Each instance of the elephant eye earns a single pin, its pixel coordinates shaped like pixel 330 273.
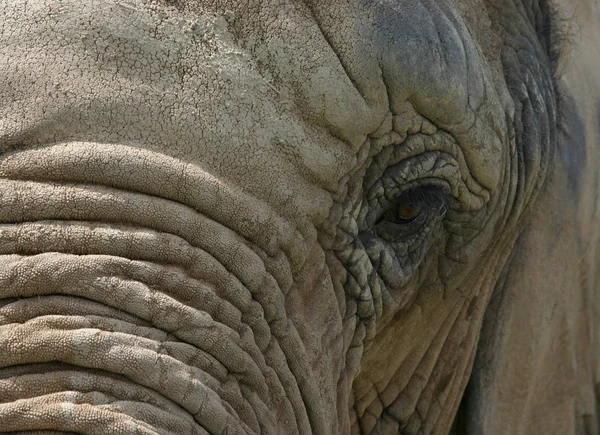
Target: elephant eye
pixel 406 223
pixel 408 212
pixel 416 205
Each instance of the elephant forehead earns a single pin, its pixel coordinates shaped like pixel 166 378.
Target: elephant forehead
pixel 172 83
pixel 422 52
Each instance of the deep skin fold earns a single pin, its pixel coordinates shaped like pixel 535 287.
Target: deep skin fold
pixel 134 149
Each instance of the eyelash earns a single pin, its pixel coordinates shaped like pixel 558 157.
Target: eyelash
pixel 425 197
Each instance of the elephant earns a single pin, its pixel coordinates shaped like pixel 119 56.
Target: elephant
pixel 299 216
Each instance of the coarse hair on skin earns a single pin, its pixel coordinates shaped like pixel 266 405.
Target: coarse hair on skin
pixel 551 30
pixel 555 34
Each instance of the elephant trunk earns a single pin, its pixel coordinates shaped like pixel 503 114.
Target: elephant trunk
pixel 124 305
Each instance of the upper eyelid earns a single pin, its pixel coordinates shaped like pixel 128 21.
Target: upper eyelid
pixel 430 195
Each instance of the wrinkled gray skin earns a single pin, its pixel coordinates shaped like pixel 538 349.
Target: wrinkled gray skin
pixel 199 203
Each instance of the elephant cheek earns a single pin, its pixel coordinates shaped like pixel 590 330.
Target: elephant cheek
pixel 146 325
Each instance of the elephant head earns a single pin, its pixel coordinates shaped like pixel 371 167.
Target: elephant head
pixel 301 216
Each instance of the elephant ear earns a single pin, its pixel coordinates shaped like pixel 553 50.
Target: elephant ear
pixel 534 370
pixel 537 364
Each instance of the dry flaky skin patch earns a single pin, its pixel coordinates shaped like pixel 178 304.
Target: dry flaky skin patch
pixel 195 202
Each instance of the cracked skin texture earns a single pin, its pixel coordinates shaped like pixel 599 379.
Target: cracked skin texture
pixel 197 217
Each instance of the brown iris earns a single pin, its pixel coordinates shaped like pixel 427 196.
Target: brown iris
pixel 408 212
